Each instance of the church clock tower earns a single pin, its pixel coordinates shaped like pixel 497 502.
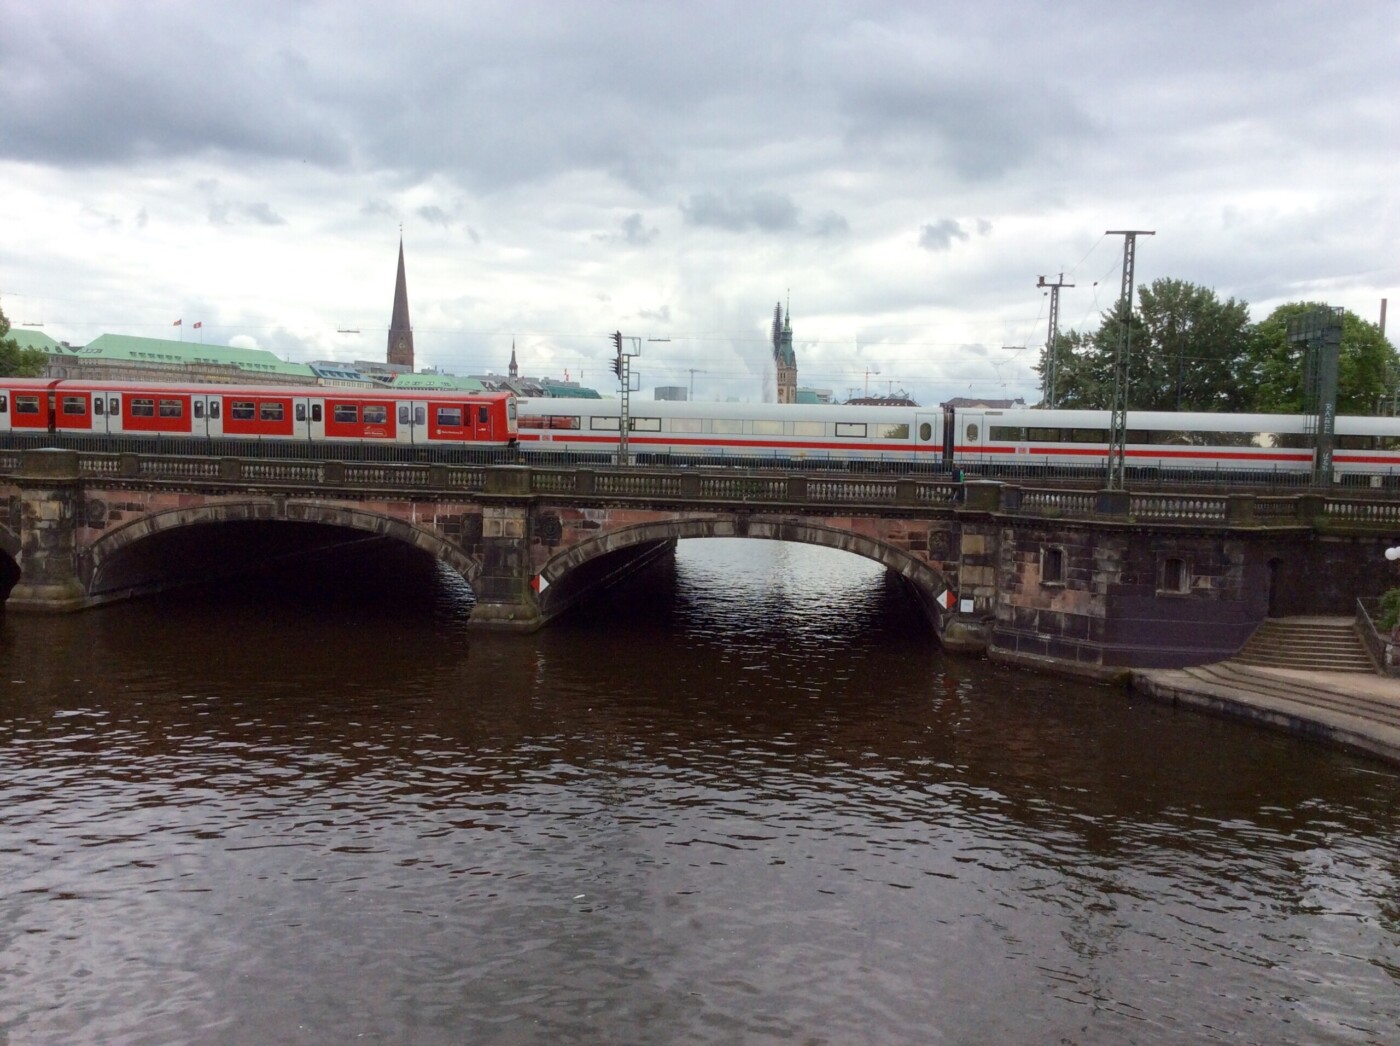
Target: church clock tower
pixel 400 330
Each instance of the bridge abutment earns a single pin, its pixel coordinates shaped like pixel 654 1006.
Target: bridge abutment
pixel 49 483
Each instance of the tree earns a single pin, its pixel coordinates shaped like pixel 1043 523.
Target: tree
pixel 1368 371
pixel 17 362
pixel 1189 351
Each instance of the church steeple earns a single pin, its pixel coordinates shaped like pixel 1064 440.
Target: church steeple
pixel 400 330
pixel 514 369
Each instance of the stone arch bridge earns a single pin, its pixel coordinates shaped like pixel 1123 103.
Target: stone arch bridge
pixel 1099 579
pixel 82 536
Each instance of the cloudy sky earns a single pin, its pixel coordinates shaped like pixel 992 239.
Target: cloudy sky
pixel 902 171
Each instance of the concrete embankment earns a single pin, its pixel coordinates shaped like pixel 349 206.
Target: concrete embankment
pixel 1355 710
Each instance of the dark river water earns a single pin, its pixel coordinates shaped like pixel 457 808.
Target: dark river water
pixel 743 799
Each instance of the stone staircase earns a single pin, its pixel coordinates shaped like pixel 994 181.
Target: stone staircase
pixel 1313 644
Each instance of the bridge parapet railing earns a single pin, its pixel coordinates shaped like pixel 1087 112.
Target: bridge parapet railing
pixel 1191 508
pixel 1362 510
pixel 1056 503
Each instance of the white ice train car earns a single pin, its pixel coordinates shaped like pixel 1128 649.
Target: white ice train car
pixel 1021 439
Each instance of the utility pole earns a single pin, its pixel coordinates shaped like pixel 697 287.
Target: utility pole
pixel 1050 349
pixel 1118 422
pixel 622 367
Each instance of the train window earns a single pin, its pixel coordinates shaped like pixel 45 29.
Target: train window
pixel 26 404
pixel 808 428
pixel 142 407
pixel 728 425
pixel 403 413
pixel 214 410
pixel 4 404
pixel 510 408
pixel 345 414
pixel 483 415
pixel 605 423
pixel 885 430
pixel 199 408
pixel 420 415
pixel 97 404
pixel 645 424
pixel 376 414
pixel 172 409
pixel 1002 433
pixel 301 412
pixel 1088 435
pixel 972 432
pixel 767 428
pixel 850 428
pixel 315 412
pixel 686 425
pixel 1041 435
pixel 925 432
pixel 272 411
pixel 449 417
pixel 241 410
pixel 112 405
pixel 75 405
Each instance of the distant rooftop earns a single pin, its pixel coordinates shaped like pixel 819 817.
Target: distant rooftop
pixel 32 339
pixel 161 350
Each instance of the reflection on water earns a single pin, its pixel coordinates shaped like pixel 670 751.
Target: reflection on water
pixel 743 798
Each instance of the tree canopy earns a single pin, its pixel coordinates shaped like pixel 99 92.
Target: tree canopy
pixel 1191 351
pixel 17 362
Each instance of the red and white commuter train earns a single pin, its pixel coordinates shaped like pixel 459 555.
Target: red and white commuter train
pixel 416 424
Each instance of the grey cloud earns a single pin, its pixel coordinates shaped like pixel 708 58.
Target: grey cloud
pixel 831 224
pixel 263 214
pixel 436 215
pixel 141 218
pixel 940 235
pixel 765 211
pixel 377 208
pixel 635 232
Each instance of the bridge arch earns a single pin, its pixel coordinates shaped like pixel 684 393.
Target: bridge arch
pixel 927 581
pixel 97 558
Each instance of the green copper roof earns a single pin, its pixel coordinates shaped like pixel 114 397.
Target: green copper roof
pixel 28 339
pixel 161 350
pixel 437 381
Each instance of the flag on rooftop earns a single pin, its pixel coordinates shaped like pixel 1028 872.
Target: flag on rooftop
pixel 198 324
pixel 177 323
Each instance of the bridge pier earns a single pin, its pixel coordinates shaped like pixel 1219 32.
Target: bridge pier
pixel 49 483
pixel 504 599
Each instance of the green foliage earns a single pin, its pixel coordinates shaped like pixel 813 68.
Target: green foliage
pixel 1390 610
pixel 17 362
pixel 1191 351
pixel 1367 376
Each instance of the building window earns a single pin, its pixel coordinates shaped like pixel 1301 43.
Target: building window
pixel 1052 565
pixel 1175 575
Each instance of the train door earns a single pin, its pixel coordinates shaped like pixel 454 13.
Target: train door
pixel 204 416
pixel 928 437
pixel 301 418
pixel 413 422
